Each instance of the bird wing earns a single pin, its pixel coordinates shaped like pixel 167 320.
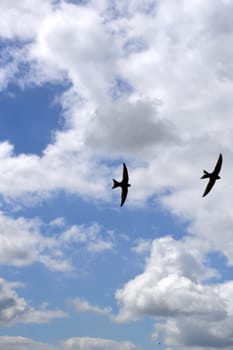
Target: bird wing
pixel 208 187
pixel 123 195
pixel 218 165
pixel 125 174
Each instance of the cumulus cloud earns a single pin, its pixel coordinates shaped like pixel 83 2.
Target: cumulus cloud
pixel 133 126
pixel 173 121
pixel 163 112
pixel 177 78
pixel 170 285
pixel 22 20
pixel 82 60
pixel 140 125
pixel 174 288
pixel 91 237
pixel 23 242
pixel 197 333
pixel 15 309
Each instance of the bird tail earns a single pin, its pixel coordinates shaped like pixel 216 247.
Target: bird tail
pixel 115 183
pixel 206 174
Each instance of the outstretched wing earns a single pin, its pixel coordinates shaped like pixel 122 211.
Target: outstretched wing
pixel 123 195
pixel 208 187
pixel 218 165
pixel 125 174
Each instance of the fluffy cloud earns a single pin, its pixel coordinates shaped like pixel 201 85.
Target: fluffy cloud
pixel 170 285
pixel 91 237
pixel 133 126
pixel 174 289
pixel 176 77
pixel 48 59
pixel 12 306
pixel 198 333
pixel 171 119
pixel 139 126
pixel 23 242
pixel 90 55
pixel 22 20
pixel 14 309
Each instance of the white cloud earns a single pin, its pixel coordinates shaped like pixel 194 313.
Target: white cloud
pixel 82 343
pixel 41 315
pixel 49 173
pixel 191 313
pixel 11 306
pixel 175 120
pixel 170 69
pixel 81 305
pixel 24 242
pixel 22 19
pixel 22 343
pixel 133 126
pixel 142 246
pixel 58 222
pixel 90 54
pixel 171 285
pixel 211 334
pixel 91 237
pixel 198 332
pixel 79 343
pixel 15 309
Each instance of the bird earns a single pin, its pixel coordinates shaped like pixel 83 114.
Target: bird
pixel 124 184
pixel 212 176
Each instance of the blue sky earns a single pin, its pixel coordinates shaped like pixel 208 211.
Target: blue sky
pixel 84 87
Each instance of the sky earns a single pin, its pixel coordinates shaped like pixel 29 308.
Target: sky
pixel 86 85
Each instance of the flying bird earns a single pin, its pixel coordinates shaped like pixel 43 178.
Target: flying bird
pixel 212 176
pixel 124 184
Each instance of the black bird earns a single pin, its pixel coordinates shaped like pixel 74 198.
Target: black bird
pixel 212 176
pixel 123 184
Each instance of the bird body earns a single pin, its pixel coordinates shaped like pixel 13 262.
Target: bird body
pixel 212 176
pixel 124 184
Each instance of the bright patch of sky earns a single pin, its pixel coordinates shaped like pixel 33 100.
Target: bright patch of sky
pixel 84 87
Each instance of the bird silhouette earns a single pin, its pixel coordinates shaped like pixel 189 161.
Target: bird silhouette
pixel 123 184
pixel 212 176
